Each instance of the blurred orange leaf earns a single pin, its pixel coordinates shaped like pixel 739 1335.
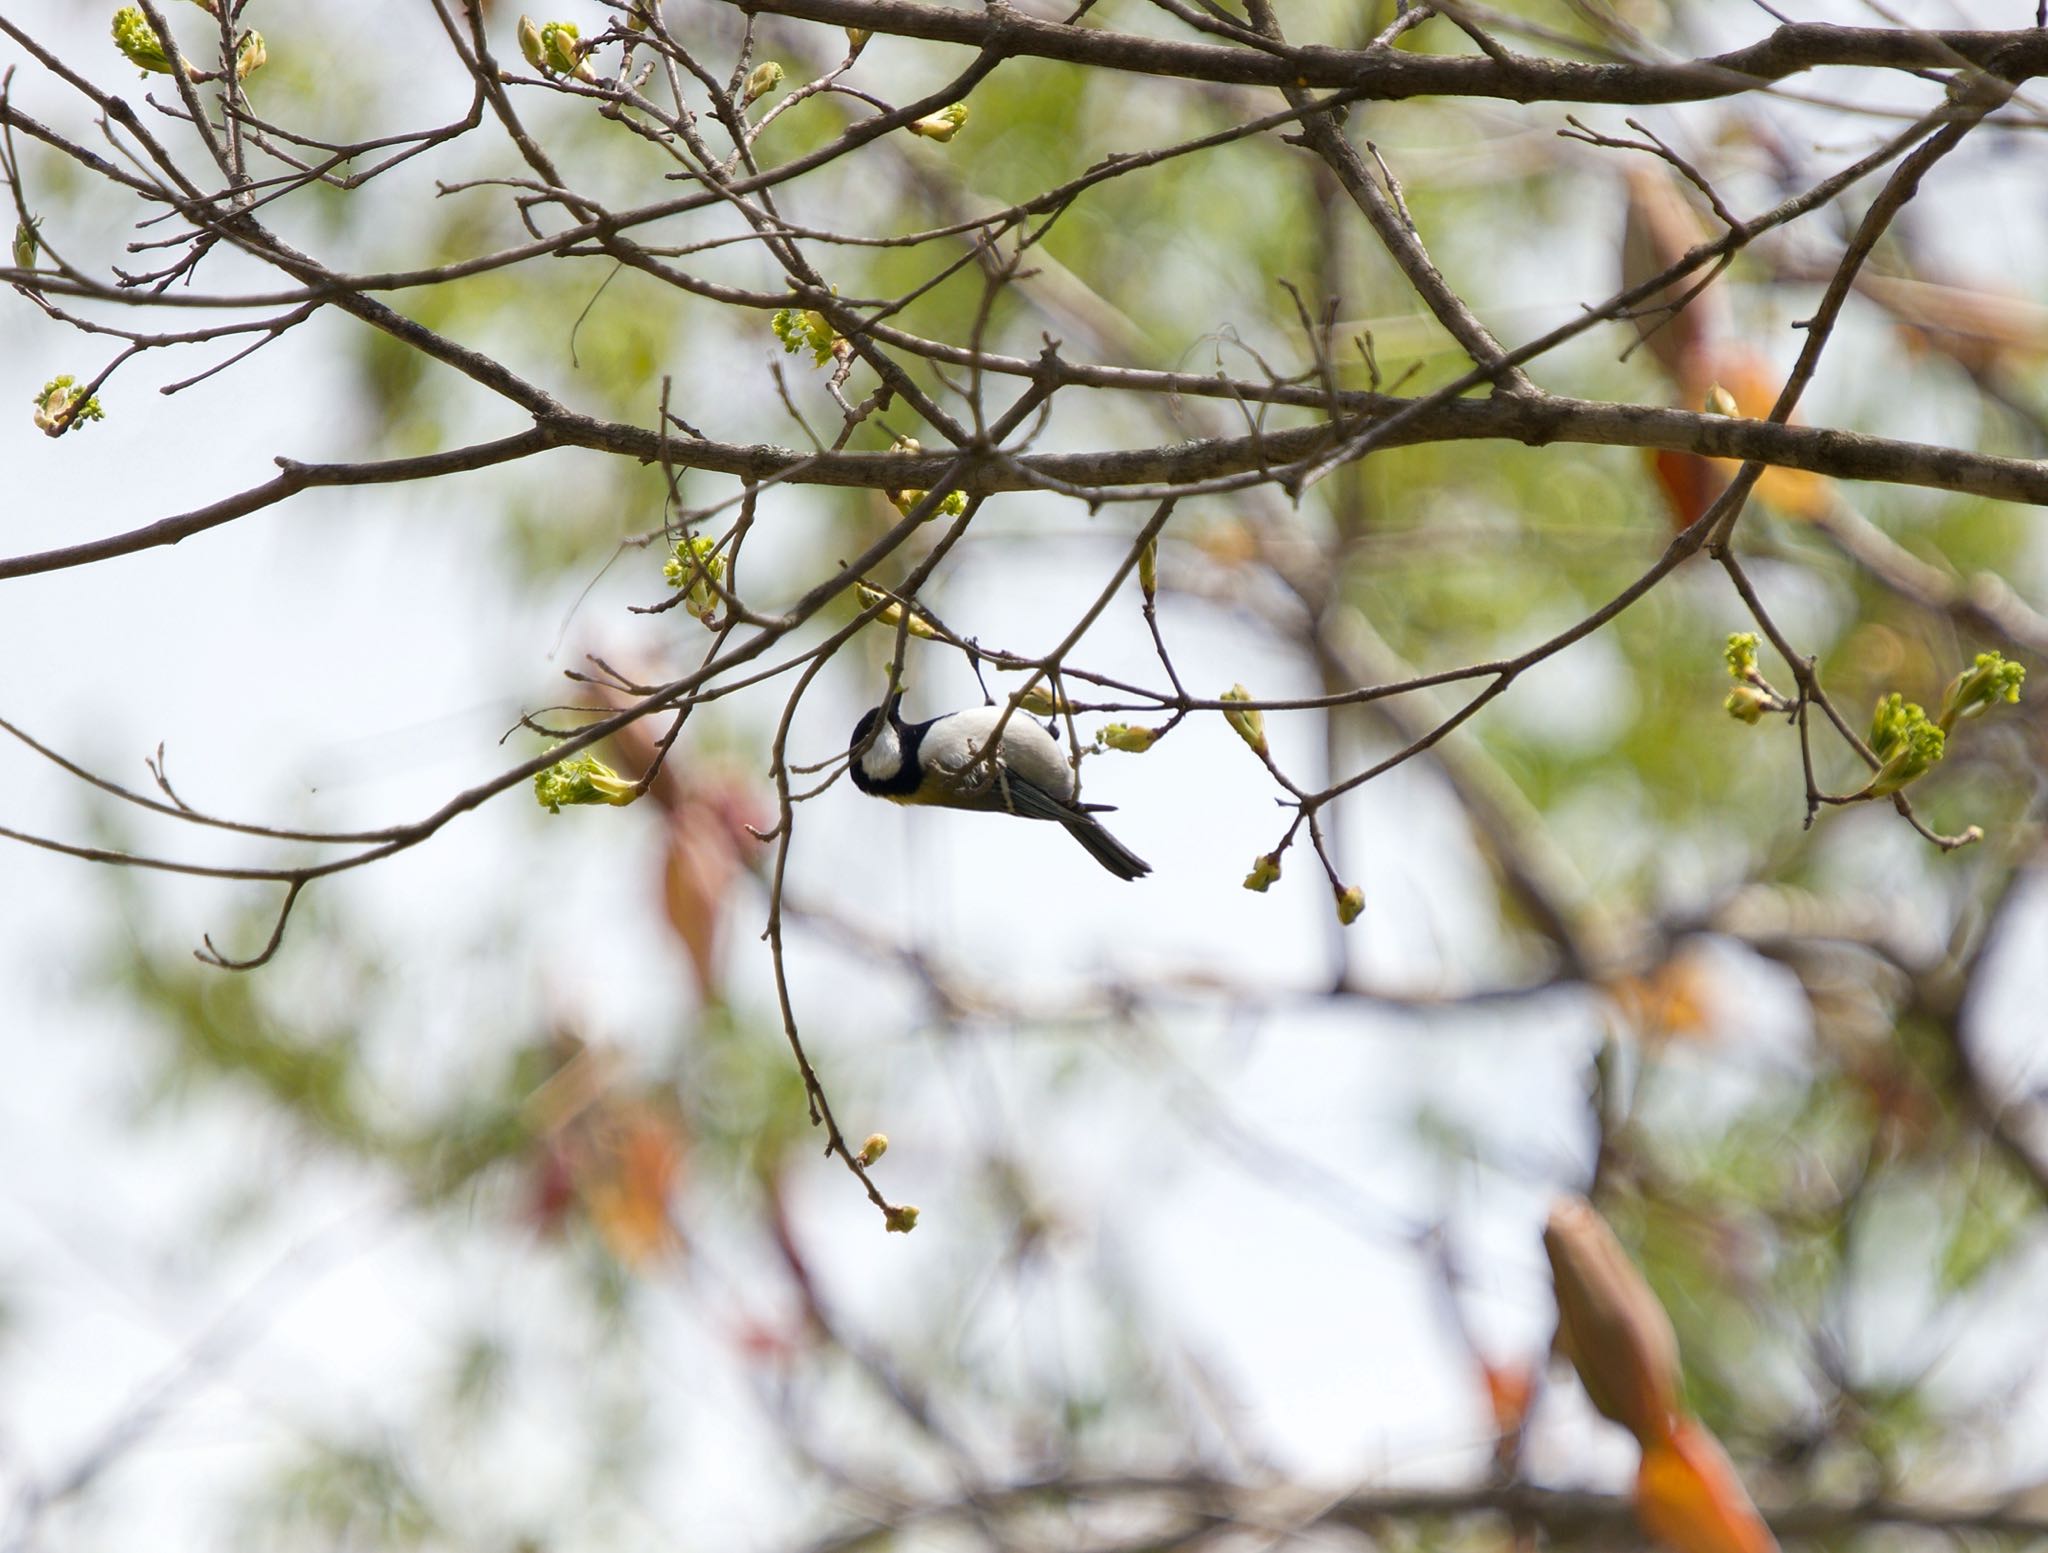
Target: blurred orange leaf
pixel 1689 1498
pixel 1674 998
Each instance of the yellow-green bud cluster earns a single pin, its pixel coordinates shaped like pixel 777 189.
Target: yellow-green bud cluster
pixel 138 42
pixel 1905 741
pixel 583 780
pixel 26 244
pixel 761 80
pixel 900 1221
pixel 941 126
pixel 554 48
pixel 1122 736
pixel 695 564
pixel 1250 723
pixel 61 403
pixel 1741 655
pixel 805 329
pixel 1350 905
pixel 1264 875
pixel 250 55
pixel 1990 680
pixel 874 1148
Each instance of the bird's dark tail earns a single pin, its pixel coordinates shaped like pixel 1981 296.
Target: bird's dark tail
pixel 1103 847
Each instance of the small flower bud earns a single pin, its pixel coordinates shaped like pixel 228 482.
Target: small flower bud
pixel 26 244
pixel 61 403
pixel 1122 736
pixel 1250 725
pixel 1720 402
pixel 876 1146
pixel 137 40
pixel 764 78
pixel 641 16
pixel 585 780
pixel 1350 905
pixel 1148 569
pixel 941 126
pixel 1610 1324
pixel 1747 704
pixel 857 39
pixel 1265 873
pixel 900 1221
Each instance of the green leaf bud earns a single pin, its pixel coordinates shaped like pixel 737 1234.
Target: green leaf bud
pixel 1747 704
pixel 530 43
pixel 1350 905
pixel 1148 569
pixel 1720 402
pixel 874 1148
pixel 893 612
pixel 857 39
pixel 941 126
pixel 762 80
pixel 1122 736
pixel 1264 875
pixel 26 244
pixel 900 1221
pixel 584 780
pixel 1250 725
pixel 250 55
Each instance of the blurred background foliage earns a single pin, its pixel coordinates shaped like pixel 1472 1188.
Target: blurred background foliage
pixel 1763 1064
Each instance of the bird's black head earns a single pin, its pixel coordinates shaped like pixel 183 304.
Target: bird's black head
pixel 883 752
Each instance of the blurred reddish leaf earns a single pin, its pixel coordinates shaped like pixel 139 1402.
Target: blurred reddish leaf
pixel 1610 1323
pixel 613 1155
pixel 1662 227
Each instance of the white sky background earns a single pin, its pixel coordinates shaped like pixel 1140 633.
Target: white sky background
pixel 354 656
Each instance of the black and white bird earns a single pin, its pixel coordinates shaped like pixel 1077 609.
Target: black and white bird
pixel 928 763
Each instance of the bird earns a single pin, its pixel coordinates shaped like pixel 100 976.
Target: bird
pixel 928 763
